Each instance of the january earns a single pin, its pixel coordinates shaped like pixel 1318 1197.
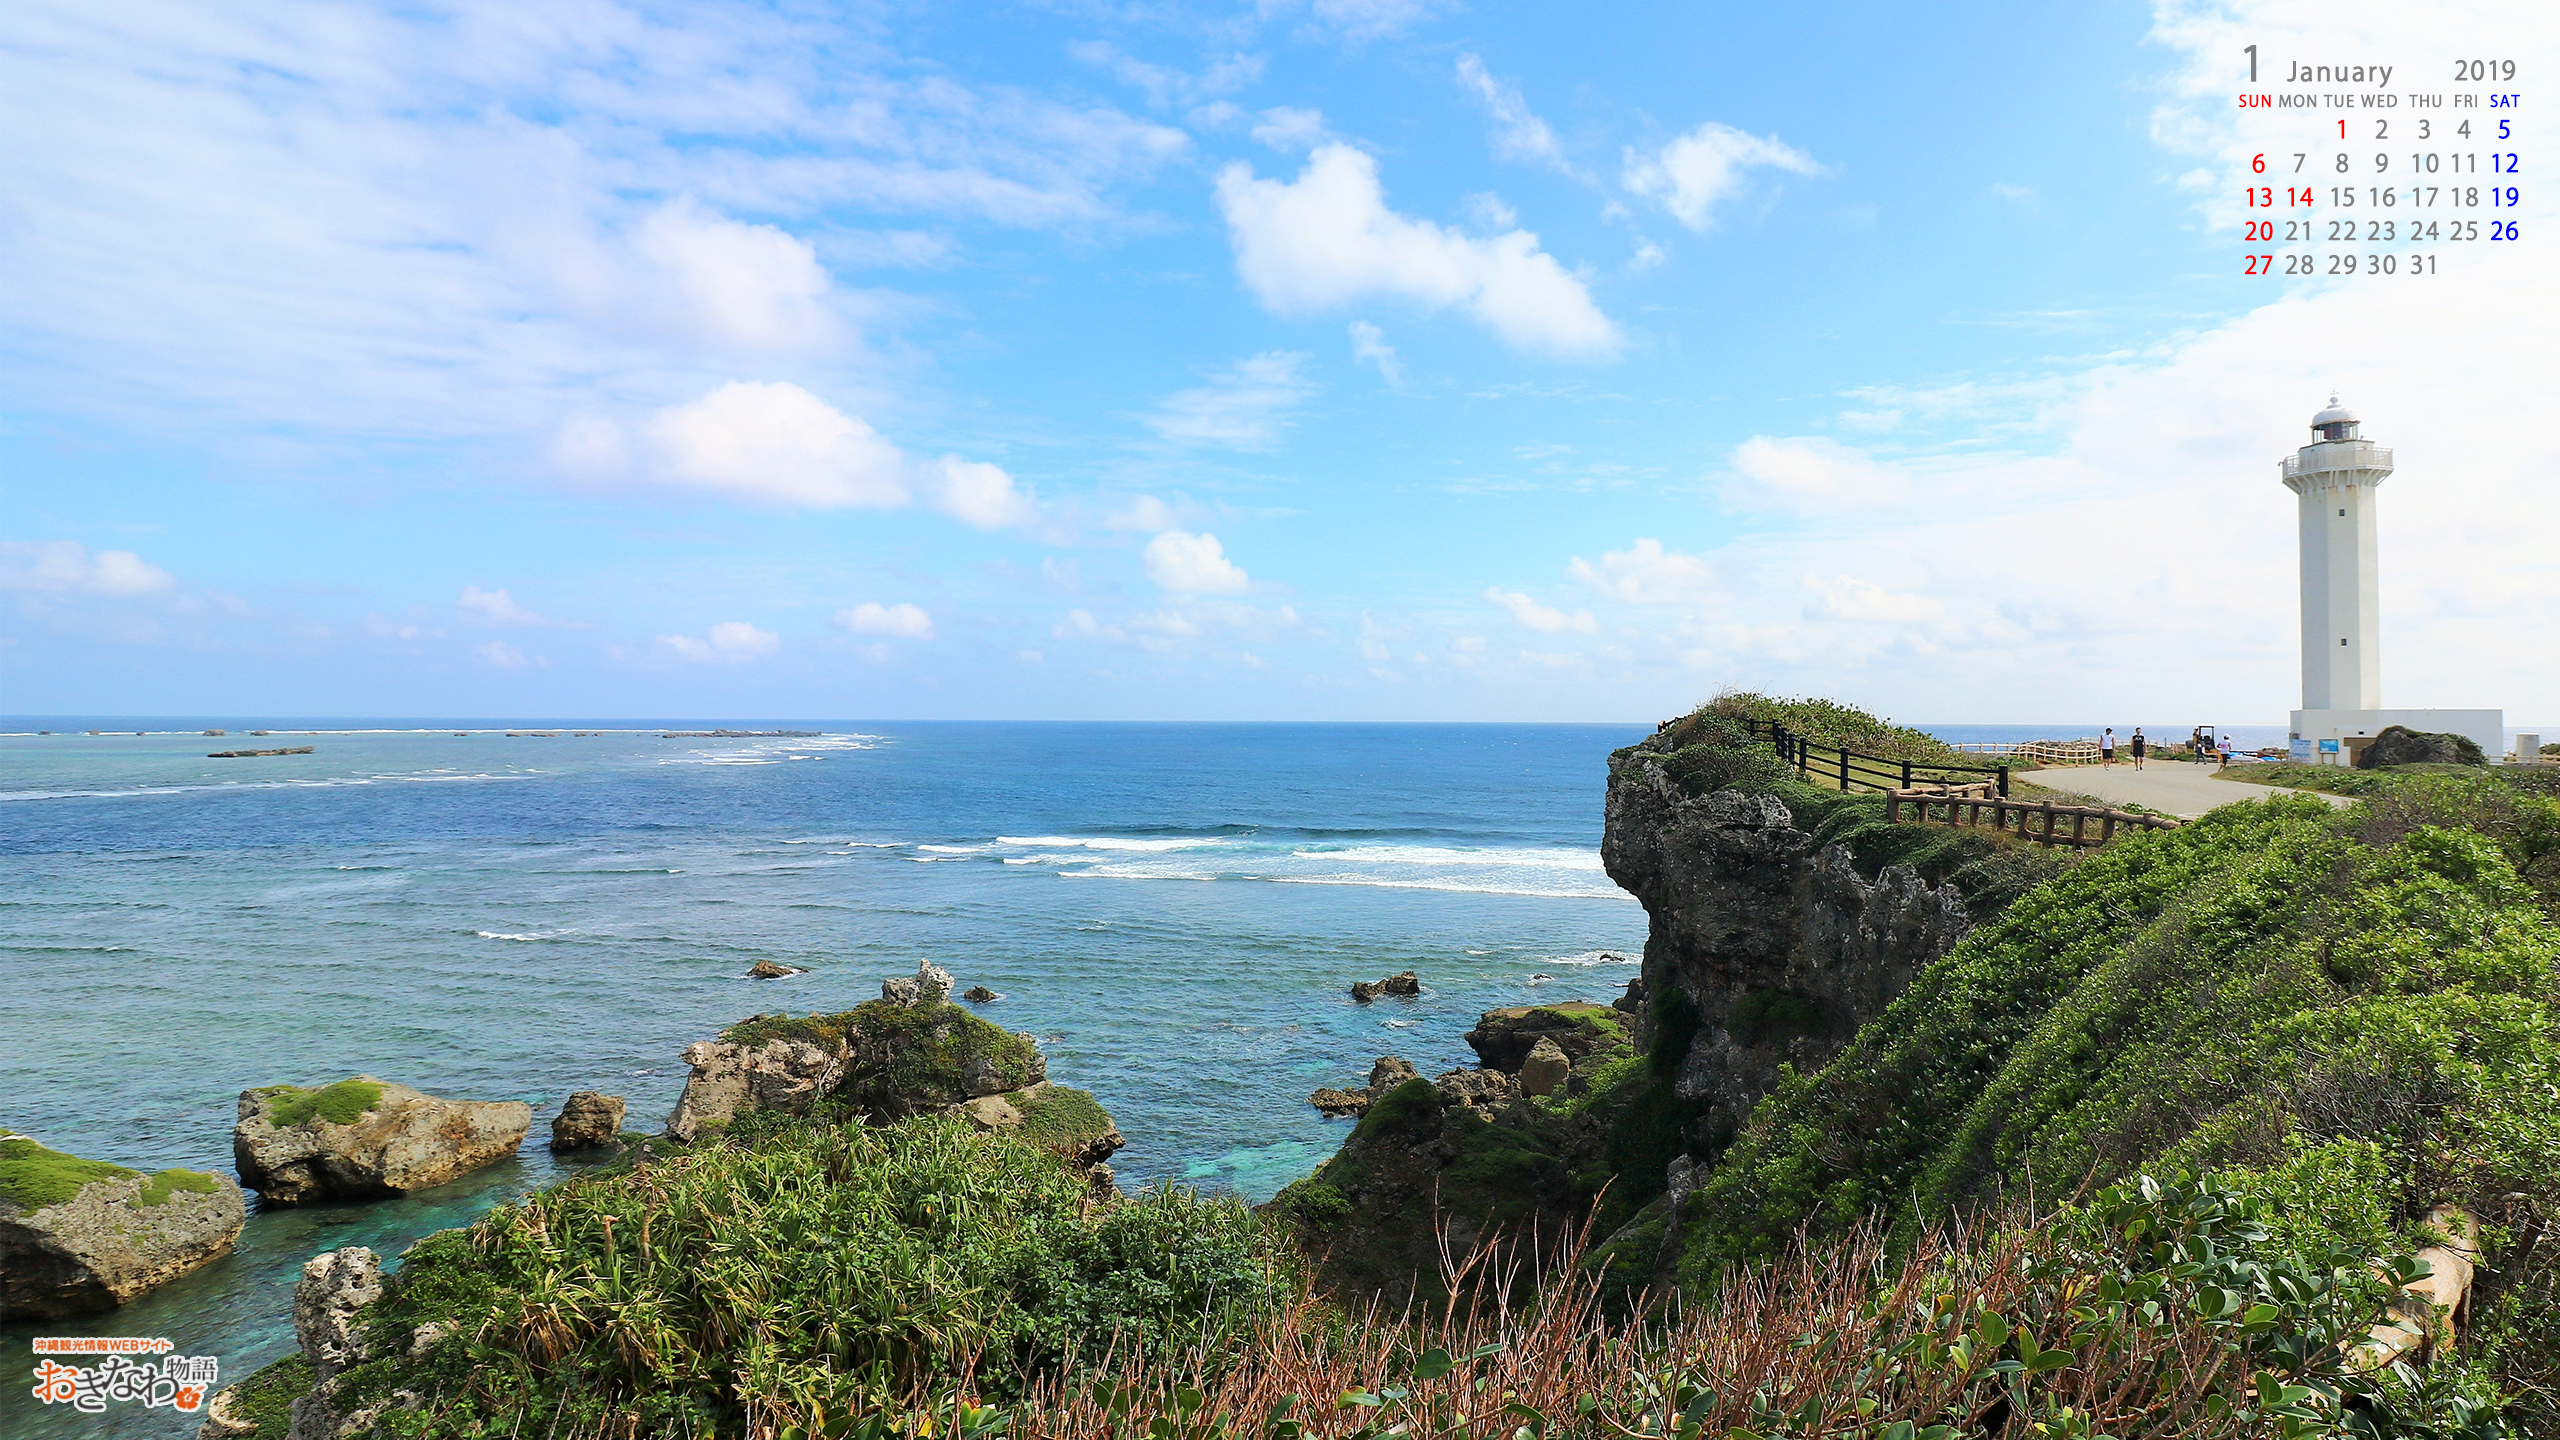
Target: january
pixel 2339 74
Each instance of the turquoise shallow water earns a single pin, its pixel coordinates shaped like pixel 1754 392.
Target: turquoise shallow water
pixel 1175 910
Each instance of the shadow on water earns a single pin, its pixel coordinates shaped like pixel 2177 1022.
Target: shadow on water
pixel 247 1297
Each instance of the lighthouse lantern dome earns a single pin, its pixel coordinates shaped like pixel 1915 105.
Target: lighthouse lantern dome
pixel 2336 422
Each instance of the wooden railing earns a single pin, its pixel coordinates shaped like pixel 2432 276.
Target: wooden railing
pixel 1976 805
pixel 1846 769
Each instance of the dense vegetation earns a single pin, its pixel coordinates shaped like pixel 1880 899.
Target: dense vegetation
pixel 795 1272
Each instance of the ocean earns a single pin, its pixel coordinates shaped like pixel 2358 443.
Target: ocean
pixel 1175 911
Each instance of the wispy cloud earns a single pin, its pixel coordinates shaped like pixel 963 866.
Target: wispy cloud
pixel 1244 407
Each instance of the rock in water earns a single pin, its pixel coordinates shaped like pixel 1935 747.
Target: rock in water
pixel 587 1119
pixel 82 1235
pixel 1403 982
pixel 1545 1069
pixel 364 1138
pixel 981 995
pixel 1384 1076
pixel 2400 745
pixel 774 970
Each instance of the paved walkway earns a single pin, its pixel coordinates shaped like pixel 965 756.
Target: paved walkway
pixel 2180 788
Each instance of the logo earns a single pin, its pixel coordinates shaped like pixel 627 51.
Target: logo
pixel 173 1382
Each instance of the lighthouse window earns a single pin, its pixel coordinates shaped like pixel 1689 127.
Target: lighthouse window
pixel 2342 639
pixel 2342 512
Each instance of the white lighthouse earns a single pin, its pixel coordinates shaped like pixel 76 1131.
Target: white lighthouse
pixel 2335 478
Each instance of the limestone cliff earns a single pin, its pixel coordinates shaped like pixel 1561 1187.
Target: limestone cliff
pixel 1764 948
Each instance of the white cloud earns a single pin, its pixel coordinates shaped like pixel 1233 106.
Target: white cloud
pixel 1806 475
pixel 1545 619
pixel 982 495
pixel 66 567
pixel 1144 512
pixel 1290 130
pixel 774 443
pixel 502 655
pixel 1646 574
pixel 1327 239
pixel 1190 564
pixel 686 275
pixel 906 622
pixel 1369 343
pixel 1846 597
pixel 497 607
pixel 1693 174
pixel 1518 134
pixel 730 642
pixel 1245 407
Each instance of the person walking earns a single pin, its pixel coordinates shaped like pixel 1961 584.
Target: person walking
pixel 2107 748
pixel 2139 746
pixel 2226 752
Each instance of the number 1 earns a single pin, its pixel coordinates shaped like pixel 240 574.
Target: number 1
pixel 2253 64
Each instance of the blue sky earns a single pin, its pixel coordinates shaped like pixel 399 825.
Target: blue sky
pixel 1357 359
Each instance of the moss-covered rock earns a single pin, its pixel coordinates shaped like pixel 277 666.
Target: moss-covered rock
pixel 79 1235
pixel 882 1060
pixel 365 1138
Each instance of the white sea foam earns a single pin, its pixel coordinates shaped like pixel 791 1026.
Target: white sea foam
pixel 1108 842
pixel 503 935
pixel 1596 957
pixel 951 849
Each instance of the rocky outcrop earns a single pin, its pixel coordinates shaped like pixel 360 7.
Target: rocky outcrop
pixel 931 985
pixel 587 1120
pixel 334 1288
pixel 1763 950
pixel 981 995
pixel 2400 745
pixel 365 1138
pixel 1502 1039
pixel 784 1074
pixel 1403 982
pixel 83 1235
pixel 883 1060
pixel 1461 1158
pixel 1384 1076
pixel 774 970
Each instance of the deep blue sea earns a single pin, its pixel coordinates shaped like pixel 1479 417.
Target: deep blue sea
pixel 1176 911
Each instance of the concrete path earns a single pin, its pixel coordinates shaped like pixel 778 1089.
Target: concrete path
pixel 2183 789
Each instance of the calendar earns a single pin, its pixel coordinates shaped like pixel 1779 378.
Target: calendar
pixel 2378 167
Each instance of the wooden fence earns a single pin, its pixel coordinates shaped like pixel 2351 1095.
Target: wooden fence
pixel 1845 769
pixel 1976 805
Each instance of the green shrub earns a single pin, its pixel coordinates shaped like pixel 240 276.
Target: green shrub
pixel 340 1104
pixel 34 1177
pixel 803 1270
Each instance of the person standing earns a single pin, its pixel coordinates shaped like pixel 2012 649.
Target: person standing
pixel 2139 746
pixel 2107 748
pixel 2226 752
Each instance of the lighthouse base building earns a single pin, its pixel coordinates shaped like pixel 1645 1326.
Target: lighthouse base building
pixel 2335 478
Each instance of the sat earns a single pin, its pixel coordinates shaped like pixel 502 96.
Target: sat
pixel 2502 102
